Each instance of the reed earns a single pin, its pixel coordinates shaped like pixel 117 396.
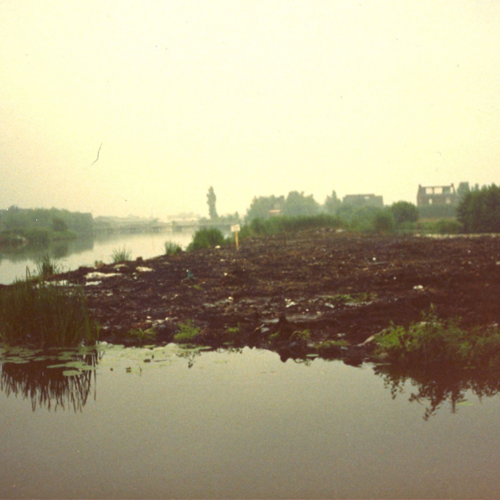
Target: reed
pixel 172 248
pixel 120 255
pixel 42 315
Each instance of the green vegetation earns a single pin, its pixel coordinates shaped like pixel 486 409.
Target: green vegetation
pixel 211 201
pixel 41 315
pixel 120 255
pixel 434 341
pixel 42 225
pixel 141 336
pixel 172 248
pixel 206 238
pixel 355 298
pixel 298 335
pixel 278 225
pixel 404 211
pixel 479 210
pixel 331 347
pixel 187 332
pixel 46 266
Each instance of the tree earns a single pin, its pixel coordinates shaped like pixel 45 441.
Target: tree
pixel 404 211
pixel 58 224
pixel 297 204
pixel 262 207
pixel 211 199
pixel 479 210
pixel 332 203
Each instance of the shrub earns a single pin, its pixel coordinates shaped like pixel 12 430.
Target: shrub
pixel 42 315
pixel 384 222
pixel 206 238
pixel 479 211
pixel 447 226
pixel 404 211
pixel 120 255
pixel 278 225
pixel 172 248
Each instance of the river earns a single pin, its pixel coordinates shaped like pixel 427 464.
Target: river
pixel 70 255
pixel 168 422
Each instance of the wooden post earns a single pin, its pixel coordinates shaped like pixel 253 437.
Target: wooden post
pixel 235 230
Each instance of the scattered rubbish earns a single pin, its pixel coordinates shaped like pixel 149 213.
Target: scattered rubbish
pixel 418 287
pixel 98 275
pixel 143 269
pixel 93 283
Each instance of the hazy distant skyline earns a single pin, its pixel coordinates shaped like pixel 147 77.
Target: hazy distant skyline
pixel 251 97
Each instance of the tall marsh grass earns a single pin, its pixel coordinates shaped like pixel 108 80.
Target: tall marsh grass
pixel 46 266
pixel 120 255
pixel 42 315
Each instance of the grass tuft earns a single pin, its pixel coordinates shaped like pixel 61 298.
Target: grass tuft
pixel 120 255
pixel 172 248
pixel 41 315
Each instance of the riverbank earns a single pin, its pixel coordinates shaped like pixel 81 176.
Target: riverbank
pixel 313 292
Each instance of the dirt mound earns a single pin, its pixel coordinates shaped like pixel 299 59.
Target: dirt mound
pixel 331 285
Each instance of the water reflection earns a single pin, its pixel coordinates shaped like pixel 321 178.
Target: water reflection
pixel 435 389
pixel 62 387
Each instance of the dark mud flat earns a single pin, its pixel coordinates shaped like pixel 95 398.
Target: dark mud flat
pixel 337 286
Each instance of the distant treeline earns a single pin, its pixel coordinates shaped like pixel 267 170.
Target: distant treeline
pixel 478 211
pixel 41 225
pixel 53 218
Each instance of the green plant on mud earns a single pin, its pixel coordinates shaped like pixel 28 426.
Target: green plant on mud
pixel 141 336
pixel 120 255
pixel 355 298
pixel 41 315
pixel 331 346
pixel 172 248
pixel 233 331
pixel 187 332
pixel 297 335
pixel 436 341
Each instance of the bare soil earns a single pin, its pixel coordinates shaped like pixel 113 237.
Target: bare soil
pixel 335 285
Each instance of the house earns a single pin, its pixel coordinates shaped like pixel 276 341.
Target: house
pixel 436 195
pixel 363 200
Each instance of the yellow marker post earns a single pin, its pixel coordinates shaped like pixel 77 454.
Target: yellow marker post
pixel 235 230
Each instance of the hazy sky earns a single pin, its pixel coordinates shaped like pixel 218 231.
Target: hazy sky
pixel 252 97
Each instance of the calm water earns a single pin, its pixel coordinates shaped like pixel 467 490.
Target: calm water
pixel 167 423
pixel 86 251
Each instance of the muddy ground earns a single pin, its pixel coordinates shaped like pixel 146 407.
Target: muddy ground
pixel 335 285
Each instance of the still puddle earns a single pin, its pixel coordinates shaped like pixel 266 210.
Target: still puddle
pixel 170 422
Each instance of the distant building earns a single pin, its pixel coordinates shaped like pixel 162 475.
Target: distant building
pixel 363 200
pixel 436 195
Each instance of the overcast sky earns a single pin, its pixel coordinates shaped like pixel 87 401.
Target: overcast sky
pixel 251 97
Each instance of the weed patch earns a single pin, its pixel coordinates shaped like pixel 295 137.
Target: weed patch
pixel 435 341
pixel 141 336
pixel 187 332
